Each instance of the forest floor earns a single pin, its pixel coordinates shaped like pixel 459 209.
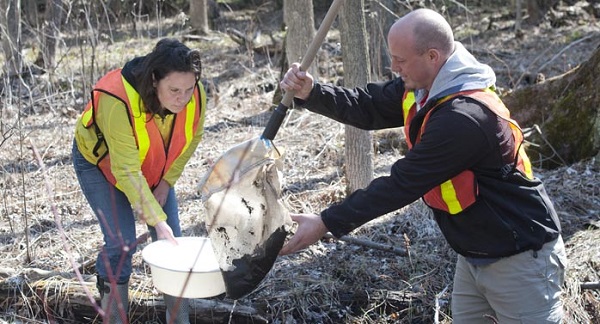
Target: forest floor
pixel 46 226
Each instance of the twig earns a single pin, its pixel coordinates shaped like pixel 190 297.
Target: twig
pixel 437 304
pixel 388 10
pixel 537 129
pixel 564 49
pixel 238 37
pixel 371 244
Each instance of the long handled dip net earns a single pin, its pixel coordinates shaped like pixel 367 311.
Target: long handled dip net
pixel 246 221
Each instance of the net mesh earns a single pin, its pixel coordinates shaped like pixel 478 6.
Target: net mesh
pixel 246 220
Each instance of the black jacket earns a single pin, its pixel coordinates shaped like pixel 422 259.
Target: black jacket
pixel 512 214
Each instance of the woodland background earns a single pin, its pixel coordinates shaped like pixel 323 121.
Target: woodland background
pixel 56 51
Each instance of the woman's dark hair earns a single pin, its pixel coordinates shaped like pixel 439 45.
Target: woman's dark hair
pixel 169 55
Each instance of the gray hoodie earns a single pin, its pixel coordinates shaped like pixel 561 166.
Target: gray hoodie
pixel 461 72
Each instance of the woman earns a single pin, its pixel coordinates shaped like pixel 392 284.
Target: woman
pixel 132 142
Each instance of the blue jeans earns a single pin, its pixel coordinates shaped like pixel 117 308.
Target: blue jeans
pixel 117 220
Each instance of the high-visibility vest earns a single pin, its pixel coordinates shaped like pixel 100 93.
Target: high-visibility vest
pixel 458 193
pixel 155 158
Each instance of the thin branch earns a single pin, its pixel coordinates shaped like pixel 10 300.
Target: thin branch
pixel 564 50
pixel 370 244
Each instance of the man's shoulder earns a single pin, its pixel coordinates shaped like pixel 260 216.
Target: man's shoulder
pixel 468 105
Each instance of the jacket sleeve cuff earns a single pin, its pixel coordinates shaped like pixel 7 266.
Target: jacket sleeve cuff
pixel 308 102
pixel 333 224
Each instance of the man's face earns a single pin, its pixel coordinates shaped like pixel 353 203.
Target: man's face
pixel 417 70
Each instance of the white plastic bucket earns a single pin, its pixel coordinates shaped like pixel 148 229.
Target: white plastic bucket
pixel 189 269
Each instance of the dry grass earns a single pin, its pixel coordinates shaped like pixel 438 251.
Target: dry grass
pixel 46 224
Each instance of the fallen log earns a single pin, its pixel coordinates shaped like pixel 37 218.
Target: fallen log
pixel 566 109
pixel 267 45
pixel 60 297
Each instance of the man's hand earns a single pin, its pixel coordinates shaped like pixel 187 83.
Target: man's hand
pixel 299 81
pixel 161 192
pixel 310 229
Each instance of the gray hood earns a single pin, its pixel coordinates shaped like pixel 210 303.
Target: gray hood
pixel 461 72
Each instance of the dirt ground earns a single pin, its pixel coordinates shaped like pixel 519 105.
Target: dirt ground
pixel 47 229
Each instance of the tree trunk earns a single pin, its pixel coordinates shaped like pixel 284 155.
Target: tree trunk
pixel 537 9
pixel 566 110
pixel 355 56
pixel 199 16
pixel 299 20
pixel 29 14
pixel 518 15
pixel 52 26
pixel 380 20
pixel 10 21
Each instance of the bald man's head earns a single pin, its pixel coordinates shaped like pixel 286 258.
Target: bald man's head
pixel 428 30
pixel 419 44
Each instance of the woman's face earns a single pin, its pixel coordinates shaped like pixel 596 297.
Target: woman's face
pixel 175 90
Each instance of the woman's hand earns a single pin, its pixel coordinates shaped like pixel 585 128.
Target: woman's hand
pixel 310 229
pixel 161 192
pixel 164 232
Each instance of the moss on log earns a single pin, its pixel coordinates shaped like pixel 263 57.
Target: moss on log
pixel 566 110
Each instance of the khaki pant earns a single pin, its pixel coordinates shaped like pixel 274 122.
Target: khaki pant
pixel 523 288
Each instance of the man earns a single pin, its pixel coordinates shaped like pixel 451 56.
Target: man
pixel 465 160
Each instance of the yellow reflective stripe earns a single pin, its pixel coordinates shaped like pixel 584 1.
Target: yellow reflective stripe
pixel 86 117
pixel 407 103
pixel 449 196
pixel 139 120
pixel 191 116
pixel 189 122
pixel 202 107
pixel 142 136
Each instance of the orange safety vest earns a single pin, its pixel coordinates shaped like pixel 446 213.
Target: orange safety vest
pixel 155 159
pixel 455 195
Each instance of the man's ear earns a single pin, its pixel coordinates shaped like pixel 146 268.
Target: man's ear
pixel 434 55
